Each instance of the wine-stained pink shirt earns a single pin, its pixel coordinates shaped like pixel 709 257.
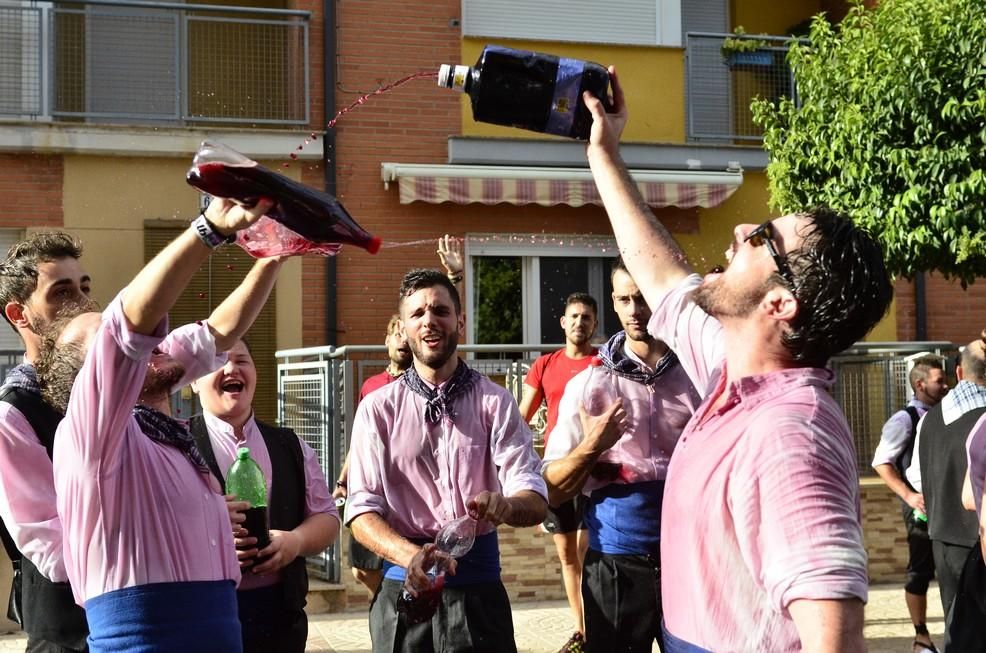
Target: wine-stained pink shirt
pixel 657 413
pixel 135 511
pixel 419 476
pixel 318 499
pixel 761 506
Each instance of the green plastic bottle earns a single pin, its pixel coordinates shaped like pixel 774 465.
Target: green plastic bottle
pixel 246 481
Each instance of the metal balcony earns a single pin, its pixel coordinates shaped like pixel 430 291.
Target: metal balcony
pixel 104 61
pixel 721 84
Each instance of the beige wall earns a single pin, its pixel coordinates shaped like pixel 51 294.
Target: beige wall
pixel 106 201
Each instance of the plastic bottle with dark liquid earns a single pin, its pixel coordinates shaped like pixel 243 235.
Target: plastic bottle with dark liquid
pixel 245 480
pixel 455 539
pixel 529 90
pixel 311 214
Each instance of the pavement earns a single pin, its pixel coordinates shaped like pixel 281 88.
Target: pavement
pixel 544 627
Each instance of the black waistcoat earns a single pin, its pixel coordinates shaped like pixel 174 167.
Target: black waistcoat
pixel 48 609
pixel 287 493
pixel 943 467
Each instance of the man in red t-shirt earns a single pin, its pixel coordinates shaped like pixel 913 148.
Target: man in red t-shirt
pixel 546 382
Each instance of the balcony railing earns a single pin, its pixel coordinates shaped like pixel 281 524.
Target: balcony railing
pixel 155 62
pixel 721 84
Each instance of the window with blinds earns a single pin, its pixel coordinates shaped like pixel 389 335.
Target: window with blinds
pixel 223 272
pixel 627 22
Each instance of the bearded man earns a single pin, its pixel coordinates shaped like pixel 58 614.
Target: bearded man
pixel 148 546
pixel 761 541
pixel 442 442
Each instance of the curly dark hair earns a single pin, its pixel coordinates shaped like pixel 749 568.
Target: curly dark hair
pixel 420 278
pixel 19 270
pixel 841 284
pixel 58 363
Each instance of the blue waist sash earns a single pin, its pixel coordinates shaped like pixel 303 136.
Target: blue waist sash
pixel 191 617
pixel 625 518
pixel 480 565
pixel 674 645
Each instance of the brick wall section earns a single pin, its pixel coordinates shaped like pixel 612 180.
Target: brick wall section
pixel 31 186
pixel 380 42
pixel 531 571
pixel 883 532
pixel 953 313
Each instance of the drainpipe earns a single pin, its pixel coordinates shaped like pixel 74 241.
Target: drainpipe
pixel 920 308
pixel 329 162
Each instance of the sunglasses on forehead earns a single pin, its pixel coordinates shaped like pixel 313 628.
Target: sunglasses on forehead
pixel 764 235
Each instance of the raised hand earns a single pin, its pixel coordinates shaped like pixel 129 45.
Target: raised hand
pixel 228 217
pixel 450 254
pixel 607 127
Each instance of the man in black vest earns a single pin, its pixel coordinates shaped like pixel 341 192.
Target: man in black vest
pixel 303 517
pixel 39 276
pixel 893 456
pixel 939 466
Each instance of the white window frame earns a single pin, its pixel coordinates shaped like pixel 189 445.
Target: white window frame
pixel 530 248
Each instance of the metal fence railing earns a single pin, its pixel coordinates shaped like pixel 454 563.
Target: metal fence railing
pixel 318 388
pixel 871 385
pixel 723 75
pixel 110 60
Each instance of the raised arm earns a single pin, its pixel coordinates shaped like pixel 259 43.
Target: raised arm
pixel 653 258
pixel 236 314
pixel 157 287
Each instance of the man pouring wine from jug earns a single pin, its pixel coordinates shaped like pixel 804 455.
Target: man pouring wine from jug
pixel 441 444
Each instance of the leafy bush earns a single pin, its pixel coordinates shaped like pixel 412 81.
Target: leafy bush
pixel 891 129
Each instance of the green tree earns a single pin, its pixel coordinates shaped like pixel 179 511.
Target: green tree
pixel 891 129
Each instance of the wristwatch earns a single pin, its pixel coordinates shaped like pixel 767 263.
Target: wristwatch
pixel 207 233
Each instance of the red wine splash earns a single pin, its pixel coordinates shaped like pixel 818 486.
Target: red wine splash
pixel 426 74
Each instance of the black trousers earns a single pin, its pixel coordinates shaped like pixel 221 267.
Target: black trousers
pixel 920 558
pixel 966 623
pixel 52 620
pixel 949 561
pixel 469 618
pixel 268 625
pixel 621 599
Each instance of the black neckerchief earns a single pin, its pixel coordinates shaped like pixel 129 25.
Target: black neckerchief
pixel 614 358
pixel 439 401
pixel 169 431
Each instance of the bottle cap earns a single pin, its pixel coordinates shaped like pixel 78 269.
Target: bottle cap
pixel 243 453
pixel 445 75
pixel 453 77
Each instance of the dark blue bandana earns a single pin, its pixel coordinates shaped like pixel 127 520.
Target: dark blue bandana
pixel 614 358
pixel 440 401
pixel 23 376
pixel 169 431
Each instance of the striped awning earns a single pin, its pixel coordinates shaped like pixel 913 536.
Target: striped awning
pixel 465 184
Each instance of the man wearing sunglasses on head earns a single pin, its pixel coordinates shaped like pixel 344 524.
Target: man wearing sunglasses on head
pixel 761 539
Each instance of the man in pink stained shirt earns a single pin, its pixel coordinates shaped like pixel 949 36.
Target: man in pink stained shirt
pixel 761 542
pixel 147 540
pixel 442 443
pixel 303 517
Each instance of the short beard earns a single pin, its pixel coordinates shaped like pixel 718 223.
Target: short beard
pixel 435 360
pixel 718 301
pixel 158 383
